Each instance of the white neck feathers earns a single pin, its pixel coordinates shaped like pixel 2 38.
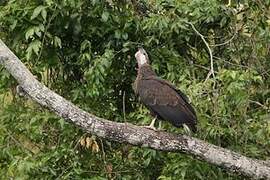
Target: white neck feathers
pixel 141 58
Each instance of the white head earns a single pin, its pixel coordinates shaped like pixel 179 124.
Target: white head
pixel 141 57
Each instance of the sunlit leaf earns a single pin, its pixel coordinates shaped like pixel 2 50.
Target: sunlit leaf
pixel 37 11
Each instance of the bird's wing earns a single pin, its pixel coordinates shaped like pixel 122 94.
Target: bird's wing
pixel 167 102
pixel 185 99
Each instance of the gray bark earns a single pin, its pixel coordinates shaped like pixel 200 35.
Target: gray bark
pixel 128 133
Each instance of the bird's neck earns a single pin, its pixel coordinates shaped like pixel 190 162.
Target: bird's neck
pixel 145 71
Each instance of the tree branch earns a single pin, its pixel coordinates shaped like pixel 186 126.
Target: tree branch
pixel 211 72
pixel 128 133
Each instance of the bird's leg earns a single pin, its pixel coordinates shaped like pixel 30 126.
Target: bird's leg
pixel 159 125
pixel 152 125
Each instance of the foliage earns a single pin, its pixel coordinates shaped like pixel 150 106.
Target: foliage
pixel 84 51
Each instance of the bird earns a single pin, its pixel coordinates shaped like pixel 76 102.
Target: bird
pixel 162 98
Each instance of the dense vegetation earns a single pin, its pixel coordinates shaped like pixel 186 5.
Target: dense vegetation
pixel 84 50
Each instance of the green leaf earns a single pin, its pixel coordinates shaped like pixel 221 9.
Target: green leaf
pixel 126 49
pixel 33 47
pixel 62 123
pixel 14 24
pixel 125 36
pixel 36 46
pixel 44 13
pixel 85 44
pixel 37 11
pixel 117 34
pixel 57 42
pixel 29 33
pixel 105 16
pixel 49 2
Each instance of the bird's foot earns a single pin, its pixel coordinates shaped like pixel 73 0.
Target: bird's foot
pixel 150 127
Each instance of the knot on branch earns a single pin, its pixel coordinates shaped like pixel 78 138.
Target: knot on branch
pixel 20 91
pixel 3 58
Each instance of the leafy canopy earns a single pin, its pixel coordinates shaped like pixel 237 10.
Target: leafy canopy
pixel 84 50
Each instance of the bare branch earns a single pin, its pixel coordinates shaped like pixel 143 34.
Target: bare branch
pixel 259 104
pixel 226 42
pixel 211 72
pixel 128 133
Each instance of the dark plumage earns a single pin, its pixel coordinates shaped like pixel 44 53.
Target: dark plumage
pixel 163 100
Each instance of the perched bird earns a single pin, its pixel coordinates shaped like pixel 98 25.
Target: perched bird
pixel 164 100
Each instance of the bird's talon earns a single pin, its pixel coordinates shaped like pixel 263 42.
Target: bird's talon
pixel 150 127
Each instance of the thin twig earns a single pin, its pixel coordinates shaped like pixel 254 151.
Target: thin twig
pixel 229 3
pixel 203 67
pixel 233 64
pixel 64 171
pixel 124 105
pixel 45 33
pixel 104 159
pixel 226 42
pixel 211 72
pixel 259 104
pixel 78 142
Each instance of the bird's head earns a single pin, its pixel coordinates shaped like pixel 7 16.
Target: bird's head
pixel 141 57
